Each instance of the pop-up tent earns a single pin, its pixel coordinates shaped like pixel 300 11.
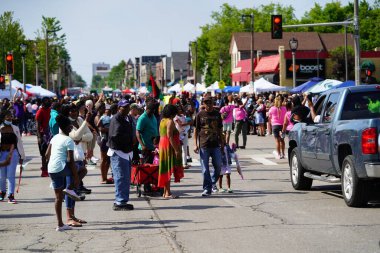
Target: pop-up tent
pixel 201 88
pixel 323 86
pixel 175 88
pixel 213 87
pixel 189 87
pixel 247 89
pixel 305 86
pixel 232 89
pixel 263 85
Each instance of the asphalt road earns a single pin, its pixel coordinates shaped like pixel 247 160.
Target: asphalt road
pixel 263 214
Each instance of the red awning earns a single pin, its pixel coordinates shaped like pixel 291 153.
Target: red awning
pixel 268 64
pixel 245 71
pixel 241 77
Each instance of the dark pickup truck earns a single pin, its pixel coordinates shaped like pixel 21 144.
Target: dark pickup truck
pixel 342 145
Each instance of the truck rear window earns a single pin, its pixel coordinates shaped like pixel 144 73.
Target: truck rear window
pixel 361 105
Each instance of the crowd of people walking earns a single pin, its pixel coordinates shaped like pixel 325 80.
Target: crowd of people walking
pixel 133 130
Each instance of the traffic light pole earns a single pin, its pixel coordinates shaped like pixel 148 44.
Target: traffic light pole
pixel 355 23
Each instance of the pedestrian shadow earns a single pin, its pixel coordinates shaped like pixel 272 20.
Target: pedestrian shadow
pixel 24 216
pixel 37 201
pixel 186 207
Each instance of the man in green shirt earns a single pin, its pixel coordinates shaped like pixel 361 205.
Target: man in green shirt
pixel 146 131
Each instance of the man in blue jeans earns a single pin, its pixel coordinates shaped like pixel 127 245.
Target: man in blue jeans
pixel 208 143
pixel 120 143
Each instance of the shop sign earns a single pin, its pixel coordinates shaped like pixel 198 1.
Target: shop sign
pixel 306 68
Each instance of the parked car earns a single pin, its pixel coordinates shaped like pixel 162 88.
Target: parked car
pixel 342 145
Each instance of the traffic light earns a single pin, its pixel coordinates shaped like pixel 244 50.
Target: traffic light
pixel 2 82
pixel 10 64
pixel 368 73
pixel 276 27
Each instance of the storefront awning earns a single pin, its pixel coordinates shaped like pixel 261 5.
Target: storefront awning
pixel 268 64
pixel 241 77
pixel 244 74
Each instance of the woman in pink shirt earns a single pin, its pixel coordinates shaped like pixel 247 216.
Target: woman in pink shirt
pixel 276 118
pixel 240 116
pixel 227 116
pixel 288 124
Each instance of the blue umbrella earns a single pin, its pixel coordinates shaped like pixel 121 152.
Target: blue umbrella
pixel 226 89
pixel 232 89
pixel 305 86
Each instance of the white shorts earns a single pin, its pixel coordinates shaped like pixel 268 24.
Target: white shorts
pixel 227 127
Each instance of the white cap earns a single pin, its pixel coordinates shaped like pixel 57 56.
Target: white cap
pixel 89 102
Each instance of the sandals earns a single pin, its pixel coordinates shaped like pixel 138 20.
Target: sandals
pixel 73 223
pixel 78 220
pixel 108 181
pixel 171 197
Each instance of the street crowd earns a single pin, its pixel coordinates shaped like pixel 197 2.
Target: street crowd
pixel 131 130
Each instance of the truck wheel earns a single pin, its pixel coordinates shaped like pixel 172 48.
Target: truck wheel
pixel 355 192
pixel 299 181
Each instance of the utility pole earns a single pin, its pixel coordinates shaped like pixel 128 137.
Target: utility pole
pixel 357 42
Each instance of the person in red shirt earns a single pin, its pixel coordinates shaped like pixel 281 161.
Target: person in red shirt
pixel 173 100
pixel 43 132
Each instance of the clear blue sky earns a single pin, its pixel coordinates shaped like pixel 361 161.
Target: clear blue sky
pixel 112 30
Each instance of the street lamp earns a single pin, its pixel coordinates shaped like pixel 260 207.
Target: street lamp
pixel 195 63
pixel 293 44
pixel 220 69
pixel 23 53
pixel 47 55
pixel 251 16
pixel 37 60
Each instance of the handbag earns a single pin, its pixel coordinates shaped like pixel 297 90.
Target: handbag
pixel 78 153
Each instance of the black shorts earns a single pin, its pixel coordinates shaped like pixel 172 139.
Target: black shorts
pixel 276 130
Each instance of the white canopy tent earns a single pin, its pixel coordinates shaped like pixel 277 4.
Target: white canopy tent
pixel 323 86
pixel 247 89
pixel 263 85
pixel 213 87
pixel 175 88
pixel 35 90
pixel 39 91
pixel 189 87
pixel 201 88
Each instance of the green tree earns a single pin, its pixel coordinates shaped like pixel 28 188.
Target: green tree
pixel 11 36
pixel 56 49
pixel 78 80
pixel 214 41
pixel 97 82
pixel 117 74
pixel 338 59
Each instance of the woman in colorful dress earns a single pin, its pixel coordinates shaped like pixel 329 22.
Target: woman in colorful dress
pixel 170 151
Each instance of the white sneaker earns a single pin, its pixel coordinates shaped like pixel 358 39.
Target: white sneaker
pixel 63 228
pixel 214 189
pixel 94 159
pixel 205 193
pixel 72 194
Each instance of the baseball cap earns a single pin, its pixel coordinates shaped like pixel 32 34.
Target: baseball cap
pixel 123 103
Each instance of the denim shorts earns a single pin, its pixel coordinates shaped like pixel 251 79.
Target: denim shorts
pixel 227 127
pixel 58 179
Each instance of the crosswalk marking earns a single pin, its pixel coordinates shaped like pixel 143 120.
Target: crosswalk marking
pixel 260 158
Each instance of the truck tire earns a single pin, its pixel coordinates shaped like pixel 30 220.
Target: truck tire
pixel 299 181
pixel 355 191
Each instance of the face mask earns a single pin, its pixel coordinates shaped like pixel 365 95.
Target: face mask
pixel 8 123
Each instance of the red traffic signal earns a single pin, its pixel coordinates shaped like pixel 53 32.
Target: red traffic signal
pixel 2 82
pixel 276 30
pixel 9 64
pixel 368 72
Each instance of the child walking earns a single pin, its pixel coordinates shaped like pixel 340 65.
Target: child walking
pixel 61 166
pixel 228 154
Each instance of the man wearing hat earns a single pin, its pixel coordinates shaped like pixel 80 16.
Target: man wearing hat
pixel 120 143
